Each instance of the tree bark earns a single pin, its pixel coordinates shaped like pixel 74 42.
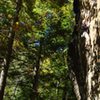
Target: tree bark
pixel 7 60
pixel 84 49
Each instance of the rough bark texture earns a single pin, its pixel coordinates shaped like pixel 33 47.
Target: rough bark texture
pixel 84 50
pixel 7 60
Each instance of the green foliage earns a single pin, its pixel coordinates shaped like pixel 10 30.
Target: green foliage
pixel 45 23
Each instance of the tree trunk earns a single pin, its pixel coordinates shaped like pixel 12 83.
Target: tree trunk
pixel 84 50
pixel 37 73
pixel 36 80
pixel 7 60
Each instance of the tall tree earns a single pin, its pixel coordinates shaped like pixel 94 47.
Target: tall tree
pixel 84 50
pixel 7 60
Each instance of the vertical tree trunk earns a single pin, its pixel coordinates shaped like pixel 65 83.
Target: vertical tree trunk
pixel 7 60
pixel 84 49
pixel 36 80
pixel 37 72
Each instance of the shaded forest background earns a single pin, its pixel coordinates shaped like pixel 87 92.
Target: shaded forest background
pixel 38 68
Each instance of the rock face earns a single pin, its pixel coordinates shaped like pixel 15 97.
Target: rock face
pixel 84 50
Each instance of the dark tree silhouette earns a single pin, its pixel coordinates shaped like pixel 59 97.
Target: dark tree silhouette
pixel 7 60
